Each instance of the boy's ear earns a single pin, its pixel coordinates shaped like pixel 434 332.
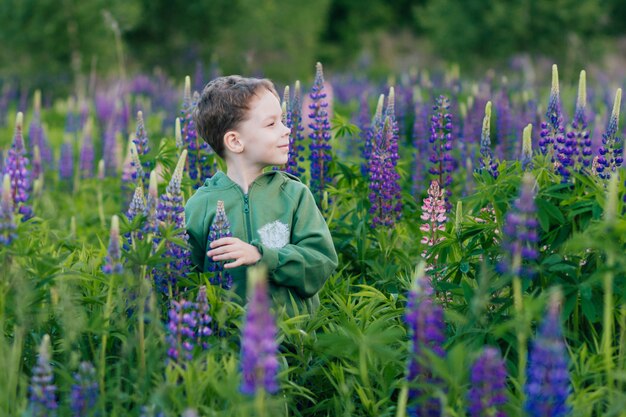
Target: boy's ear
pixel 232 141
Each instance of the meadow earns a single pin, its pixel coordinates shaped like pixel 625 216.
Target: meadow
pixel 479 224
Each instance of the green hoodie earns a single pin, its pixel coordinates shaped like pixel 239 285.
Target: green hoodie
pixel 279 217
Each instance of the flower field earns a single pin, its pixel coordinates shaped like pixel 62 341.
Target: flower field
pixel 479 225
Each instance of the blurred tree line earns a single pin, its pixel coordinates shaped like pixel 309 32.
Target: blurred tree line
pixel 58 39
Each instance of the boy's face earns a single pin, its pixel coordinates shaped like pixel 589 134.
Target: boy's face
pixel 264 137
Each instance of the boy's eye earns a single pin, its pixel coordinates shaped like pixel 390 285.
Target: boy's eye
pixel 271 124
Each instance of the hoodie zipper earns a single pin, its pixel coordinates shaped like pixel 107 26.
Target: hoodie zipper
pixel 246 211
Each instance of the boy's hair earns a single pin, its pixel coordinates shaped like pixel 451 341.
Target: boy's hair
pixel 223 105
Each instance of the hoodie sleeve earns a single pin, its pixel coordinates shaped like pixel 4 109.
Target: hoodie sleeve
pixel 194 221
pixel 309 259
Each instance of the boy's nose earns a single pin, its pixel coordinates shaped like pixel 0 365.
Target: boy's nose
pixel 286 130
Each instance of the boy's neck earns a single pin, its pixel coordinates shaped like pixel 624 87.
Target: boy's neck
pixel 243 176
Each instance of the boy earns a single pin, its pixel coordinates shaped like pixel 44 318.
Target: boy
pixel 273 217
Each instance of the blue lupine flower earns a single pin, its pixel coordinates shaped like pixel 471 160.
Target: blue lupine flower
pixel 552 130
pixel 219 228
pixel 320 136
pixel 85 391
pixel 259 349
pixel 36 134
pixel 112 261
pixel 425 322
pixel 521 236
pixel 384 196
pixel 170 211
pixel 611 152
pixel 66 161
pixel 441 140
pixel 203 331
pixel 487 160
pixel 293 120
pixel 370 133
pixel 188 327
pixel 421 133
pixel 487 394
pixel 42 399
pixel 16 165
pixel 548 386
pixel 7 220
pixel 143 147
pixel 152 224
pixel 579 132
pixel 136 208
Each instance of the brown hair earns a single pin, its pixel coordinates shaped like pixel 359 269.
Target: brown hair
pixel 223 105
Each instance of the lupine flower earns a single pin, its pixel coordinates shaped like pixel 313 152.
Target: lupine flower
pixel 143 147
pixel 170 211
pixel 293 120
pixel 520 239
pixel 320 135
pixel 219 228
pixel 112 262
pixel 85 391
pixel 548 386
pixel 259 349
pixel 87 151
pixel 178 134
pixel 151 411
pixel 370 133
pixel 136 208
pixel 434 216
pixel 37 171
pixel 137 167
pixel 505 125
pixel 487 394
pixel 487 160
pixel 7 220
pixel 552 131
pixel 579 132
pixel 386 204
pixel 152 225
pixel 42 399
pixel 66 161
pixel 611 152
pixel 441 140
pixel 109 149
pixel 425 323
pixel 421 131
pixel 188 327
pixel 36 134
pixel 527 150
pixel 16 165
pixel 199 152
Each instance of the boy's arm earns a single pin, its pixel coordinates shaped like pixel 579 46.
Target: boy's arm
pixel 309 259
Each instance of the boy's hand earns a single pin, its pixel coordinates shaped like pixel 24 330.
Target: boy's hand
pixel 228 248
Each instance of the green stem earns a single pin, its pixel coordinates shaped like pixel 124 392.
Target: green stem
pixel 402 400
pixel 101 207
pixel 521 334
pixel 622 343
pixel 259 403
pixel 140 307
pixel 607 335
pixel 105 336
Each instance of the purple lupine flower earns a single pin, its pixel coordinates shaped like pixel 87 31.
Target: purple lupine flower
pixel 170 211
pixel 384 196
pixel 425 323
pixel 370 133
pixel 7 220
pixel 42 399
pixel 36 134
pixel 487 394
pixel 441 139
pixel 520 233
pixel 66 159
pixel 505 125
pixel 219 228
pixel 552 130
pixel 87 156
pixel 16 165
pixel 181 331
pixel 37 171
pixel 203 331
pixel 85 391
pixel 199 152
pixel 109 149
pixel 610 156
pixel 548 386
pixel 259 349
pixel 112 261
pixel 527 150
pixel 320 135
pixel 293 120
pixel 487 160
pixel 579 133
pixel 137 207
pixel 143 147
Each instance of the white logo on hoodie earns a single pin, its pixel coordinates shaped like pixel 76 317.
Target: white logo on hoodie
pixel 274 235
